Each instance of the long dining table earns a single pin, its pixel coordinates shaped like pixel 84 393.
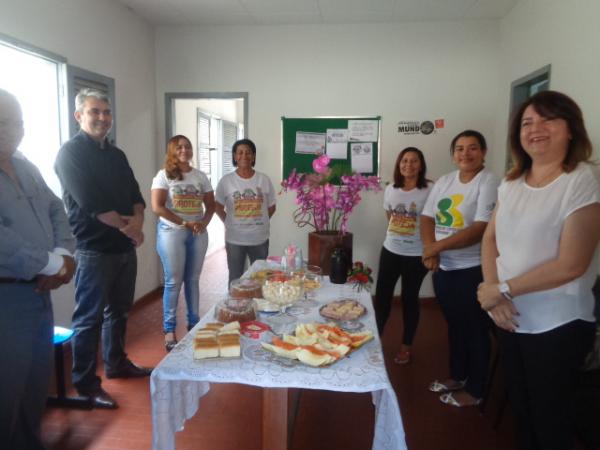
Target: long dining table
pixel 179 382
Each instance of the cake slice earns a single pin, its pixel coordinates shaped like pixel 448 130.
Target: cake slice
pixel 206 347
pixel 229 345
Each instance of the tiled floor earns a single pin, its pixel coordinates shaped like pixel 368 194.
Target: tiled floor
pixel 229 416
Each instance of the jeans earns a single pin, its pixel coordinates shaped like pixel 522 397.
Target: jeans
pixel 104 291
pixel 541 374
pixel 236 256
pixel 468 326
pixel 412 271
pixel 26 355
pixel 182 255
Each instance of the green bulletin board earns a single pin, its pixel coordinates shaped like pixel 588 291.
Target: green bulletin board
pixel 302 162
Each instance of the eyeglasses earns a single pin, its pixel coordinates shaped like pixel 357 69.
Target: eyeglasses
pixel 11 124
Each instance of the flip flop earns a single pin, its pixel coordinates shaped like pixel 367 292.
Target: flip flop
pixel 438 386
pixel 448 399
pixel 403 357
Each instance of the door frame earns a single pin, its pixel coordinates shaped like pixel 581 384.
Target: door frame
pixel 170 98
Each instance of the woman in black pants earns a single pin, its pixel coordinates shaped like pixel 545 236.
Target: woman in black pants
pixel 539 269
pixel 402 248
pixel 453 222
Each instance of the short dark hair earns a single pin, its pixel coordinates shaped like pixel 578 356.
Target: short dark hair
pixel 421 178
pixel 469 133
pixel 551 105
pixel 244 141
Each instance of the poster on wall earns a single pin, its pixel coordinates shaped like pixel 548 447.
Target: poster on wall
pixel 424 127
pixel 361 155
pixel 312 143
pixel 337 143
pixel 363 130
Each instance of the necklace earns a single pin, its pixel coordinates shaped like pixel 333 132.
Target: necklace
pixel 546 179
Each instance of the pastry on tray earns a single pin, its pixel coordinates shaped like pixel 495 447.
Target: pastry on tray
pixel 345 309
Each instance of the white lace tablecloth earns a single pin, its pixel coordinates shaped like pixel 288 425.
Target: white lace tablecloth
pixel 178 382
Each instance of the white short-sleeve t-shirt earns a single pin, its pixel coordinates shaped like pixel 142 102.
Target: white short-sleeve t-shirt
pixel 246 202
pixel 184 197
pixel 529 223
pixel 455 206
pixel 403 235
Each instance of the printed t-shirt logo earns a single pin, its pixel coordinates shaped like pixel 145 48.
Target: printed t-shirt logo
pixel 448 215
pixel 247 204
pixel 186 199
pixel 403 221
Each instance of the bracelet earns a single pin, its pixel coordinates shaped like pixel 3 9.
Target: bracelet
pixel 504 289
pixel 184 223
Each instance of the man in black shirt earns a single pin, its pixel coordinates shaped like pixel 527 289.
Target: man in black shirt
pixel 106 213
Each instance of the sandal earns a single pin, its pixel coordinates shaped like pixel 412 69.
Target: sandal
pixel 170 343
pixel 402 357
pixel 440 386
pixel 448 399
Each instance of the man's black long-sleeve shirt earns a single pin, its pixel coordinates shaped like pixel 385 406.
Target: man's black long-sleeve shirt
pixel 96 180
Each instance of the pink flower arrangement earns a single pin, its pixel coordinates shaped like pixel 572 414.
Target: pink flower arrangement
pixel 322 204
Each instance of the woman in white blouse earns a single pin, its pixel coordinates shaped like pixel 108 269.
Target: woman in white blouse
pixel 537 263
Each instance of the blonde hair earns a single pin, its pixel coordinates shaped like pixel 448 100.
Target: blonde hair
pixel 171 163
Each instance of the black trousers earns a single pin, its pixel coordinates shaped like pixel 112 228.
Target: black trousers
pixel 412 271
pixel 468 326
pixel 541 373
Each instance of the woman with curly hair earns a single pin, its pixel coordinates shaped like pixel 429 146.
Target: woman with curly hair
pixel 183 198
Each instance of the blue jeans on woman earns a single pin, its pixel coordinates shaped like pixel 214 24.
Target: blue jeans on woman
pixel 182 255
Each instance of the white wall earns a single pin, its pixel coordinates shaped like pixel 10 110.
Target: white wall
pixel 399 71
pixel 104 37
pixel 564 34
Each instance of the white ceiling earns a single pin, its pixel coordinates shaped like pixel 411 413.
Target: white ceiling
pixel 285 12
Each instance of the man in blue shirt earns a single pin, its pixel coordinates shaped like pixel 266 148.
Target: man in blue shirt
pixel 35 257
pixel 106 213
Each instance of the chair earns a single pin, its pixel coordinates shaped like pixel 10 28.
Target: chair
pixel 62 336
pixel 493 372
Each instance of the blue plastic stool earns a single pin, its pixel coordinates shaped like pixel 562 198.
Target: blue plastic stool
pixel 62 336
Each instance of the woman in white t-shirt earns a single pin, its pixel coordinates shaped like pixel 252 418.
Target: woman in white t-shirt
pixel 454 219
pixel 182 196
pixel 537 263
pixel 245 202
pixel 400 255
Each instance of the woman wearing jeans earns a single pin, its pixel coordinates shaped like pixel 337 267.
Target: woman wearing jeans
pixel 453 222
pixel 183 198
pixel 401 252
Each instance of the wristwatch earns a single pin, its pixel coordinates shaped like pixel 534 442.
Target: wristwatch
pixel 504 289
pixel 183 223
pixel 63 271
